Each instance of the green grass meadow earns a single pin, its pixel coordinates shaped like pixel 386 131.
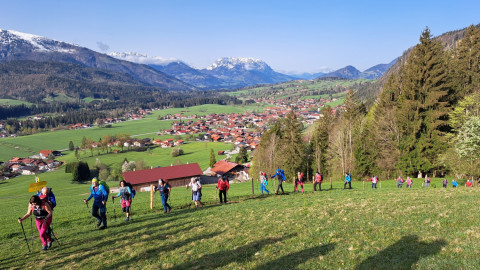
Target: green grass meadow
pixel 147 127
pixel 386 228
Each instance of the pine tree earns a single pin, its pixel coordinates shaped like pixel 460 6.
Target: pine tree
pixel 320 140
pixel 71 147
pixel 466 64
pixel 423 107
pixel 212 158
pixel 292 148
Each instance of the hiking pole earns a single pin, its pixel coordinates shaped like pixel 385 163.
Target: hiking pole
pixel 25 236
pixel 31 229
pixel 54 236
pixel 114 213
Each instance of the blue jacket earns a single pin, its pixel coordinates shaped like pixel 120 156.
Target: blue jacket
pixel 280 175
pixel 348 178
pixel 98 196
pixel 125 193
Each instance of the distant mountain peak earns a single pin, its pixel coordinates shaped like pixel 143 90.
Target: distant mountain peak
pixel 37 43
pixel 244 63
pixel 143 58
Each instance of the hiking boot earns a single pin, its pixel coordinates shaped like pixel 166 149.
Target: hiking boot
pixel 44 248
pixel 102 228
pixel 49 244
pixel 99 223
pixel 169 209
pixel 127 219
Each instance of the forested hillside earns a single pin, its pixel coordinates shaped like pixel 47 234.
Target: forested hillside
pixel 426 120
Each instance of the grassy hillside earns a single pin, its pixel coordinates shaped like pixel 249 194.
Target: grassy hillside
pixel 336 229
pixel 4 101
pixel 299 89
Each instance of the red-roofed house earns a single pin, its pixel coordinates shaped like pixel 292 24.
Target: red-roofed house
pixel 226 167
pixel 179 175
pixel 45 153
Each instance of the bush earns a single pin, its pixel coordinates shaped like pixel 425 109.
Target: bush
pixel 71 167
pixel 177 151
pixel 81 172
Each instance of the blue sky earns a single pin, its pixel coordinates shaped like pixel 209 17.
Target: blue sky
pixel 301 36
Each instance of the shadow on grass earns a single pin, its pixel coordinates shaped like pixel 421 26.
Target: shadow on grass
pixel 291 261
pixel 242 254
pixel 403 254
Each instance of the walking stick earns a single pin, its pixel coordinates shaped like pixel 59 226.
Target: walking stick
pixel 31 229
pixel 54 236
pixel 25 236
pixel 114 214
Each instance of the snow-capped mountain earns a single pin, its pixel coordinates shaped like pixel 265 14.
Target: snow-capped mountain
pixel 226 72
pixel 17 46
pixel 239 64
pixel 142 58
pixel 241 72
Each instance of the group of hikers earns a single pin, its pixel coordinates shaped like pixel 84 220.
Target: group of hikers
pixel 298 181
pixel 41 205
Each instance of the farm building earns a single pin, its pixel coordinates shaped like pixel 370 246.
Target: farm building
pixel 175 176
pixel 229 169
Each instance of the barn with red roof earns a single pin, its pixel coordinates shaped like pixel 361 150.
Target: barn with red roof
pixel 178 175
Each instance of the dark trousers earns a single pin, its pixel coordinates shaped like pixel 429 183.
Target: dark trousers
pixel 280 186
pixel 166 206
pixel 103 209
pixel 374 185
pixel 315 186
pixel 224 192
pixel 349 185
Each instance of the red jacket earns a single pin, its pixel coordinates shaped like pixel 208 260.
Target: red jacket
pixel 223 185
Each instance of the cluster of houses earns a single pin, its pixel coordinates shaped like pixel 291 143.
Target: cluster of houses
pixel 112 120
pixel 43 162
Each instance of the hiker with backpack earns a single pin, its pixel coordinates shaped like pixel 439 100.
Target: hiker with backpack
pixel 100 196
pixel 43 218
pixel 281 178
pixel 127 194
pixel 318 181
pixel 165 190
pixel 374 181
pixel 299 181
pixel 409 182
pixel 454 183
pixel 196 191
pixel 427 181
pixel 445 183
pixel 399 181
pixel 223 186
pixel 348 180
pixel 263 183
pixel 46 194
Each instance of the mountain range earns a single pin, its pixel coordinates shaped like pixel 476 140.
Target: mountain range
pixel 350 72
pixel 126 70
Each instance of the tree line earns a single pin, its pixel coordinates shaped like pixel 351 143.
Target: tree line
pixel 425 121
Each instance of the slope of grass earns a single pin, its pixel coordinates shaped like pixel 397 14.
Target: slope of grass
pixel 5 101
pixel 387 228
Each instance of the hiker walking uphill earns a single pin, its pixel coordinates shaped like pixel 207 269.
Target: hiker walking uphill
pixel 100 197
pixel 223 186
pixel 318 181
pixel 427 181
pixel 399 181
pixel 46 194
pixel 374 181
pixel 196 191
pixel 409 182
pixel 348 180
pixel 281 178
pixel 299 181
pixel 263 183
pixel 126 193
pixel 165 190
pixel 43 218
